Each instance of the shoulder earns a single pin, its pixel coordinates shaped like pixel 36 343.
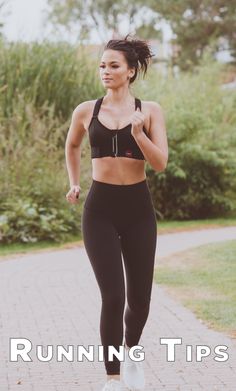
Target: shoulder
pixel 84 108
pixel 84 111
pixel 153 112
pixel 151 105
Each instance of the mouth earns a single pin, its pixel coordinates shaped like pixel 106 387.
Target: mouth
pixel 106 79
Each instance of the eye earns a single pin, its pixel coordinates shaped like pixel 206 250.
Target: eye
pixel 113 66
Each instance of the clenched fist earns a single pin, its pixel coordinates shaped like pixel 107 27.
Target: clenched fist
pixel 73 194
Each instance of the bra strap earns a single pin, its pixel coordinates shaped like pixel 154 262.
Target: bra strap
pixel 97 107
pixel 99 102
pixel 138 104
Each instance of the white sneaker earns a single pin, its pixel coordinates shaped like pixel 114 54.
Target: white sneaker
pixel 113 385
pixel 133 373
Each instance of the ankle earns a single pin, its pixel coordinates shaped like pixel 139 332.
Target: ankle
pixel 116 377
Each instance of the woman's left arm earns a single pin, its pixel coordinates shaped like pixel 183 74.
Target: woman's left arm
pixel 155 148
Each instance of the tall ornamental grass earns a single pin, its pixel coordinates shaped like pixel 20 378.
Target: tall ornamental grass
pixel 40 86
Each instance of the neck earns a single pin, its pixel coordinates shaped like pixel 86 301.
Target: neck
pixel 119 97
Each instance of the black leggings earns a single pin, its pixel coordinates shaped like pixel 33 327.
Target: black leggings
pixel 120 220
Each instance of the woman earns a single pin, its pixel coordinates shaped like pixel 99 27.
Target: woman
pixel 118 216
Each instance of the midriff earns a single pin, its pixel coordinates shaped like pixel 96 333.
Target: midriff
pixel 118 170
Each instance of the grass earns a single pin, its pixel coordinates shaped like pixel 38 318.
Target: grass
pixel 174 226
pixel 164 227
pixel 204 279
pixel 16 249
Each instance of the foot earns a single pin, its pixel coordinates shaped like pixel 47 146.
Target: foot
pixel 113 385
pixel 133 374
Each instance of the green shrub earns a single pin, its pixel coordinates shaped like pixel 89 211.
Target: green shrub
pixel 195 184
pixel 25 220
pixel 200 178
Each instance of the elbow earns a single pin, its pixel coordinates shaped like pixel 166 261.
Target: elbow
pixel 162 165
pixel 71 146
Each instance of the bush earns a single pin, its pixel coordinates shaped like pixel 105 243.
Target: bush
pixel 195 185
pixel 25 220
pixel 200 178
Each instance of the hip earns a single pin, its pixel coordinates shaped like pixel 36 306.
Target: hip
pixel 120 201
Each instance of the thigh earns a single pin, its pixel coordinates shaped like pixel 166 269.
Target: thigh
pixel 102 244
pixel 138 244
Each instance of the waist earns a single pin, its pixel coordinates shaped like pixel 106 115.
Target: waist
pixel 118 170
pixel 110 198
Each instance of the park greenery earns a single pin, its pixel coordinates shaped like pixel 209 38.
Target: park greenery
pixel 41 84
pixel 196 25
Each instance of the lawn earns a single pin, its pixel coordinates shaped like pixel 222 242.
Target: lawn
pixel 204 280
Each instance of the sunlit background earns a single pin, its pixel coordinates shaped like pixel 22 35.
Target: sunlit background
pixel 50 52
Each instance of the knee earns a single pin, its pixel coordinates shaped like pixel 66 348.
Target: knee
pixel 114 301
pixel 140 305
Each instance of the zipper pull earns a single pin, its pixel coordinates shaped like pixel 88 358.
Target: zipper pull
pixel 117 142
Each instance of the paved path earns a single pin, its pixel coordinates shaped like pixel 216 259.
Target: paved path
pixel 52 298
pixel 168 244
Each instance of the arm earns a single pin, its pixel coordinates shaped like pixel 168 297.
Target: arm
pixel 155 149
pixel 73 144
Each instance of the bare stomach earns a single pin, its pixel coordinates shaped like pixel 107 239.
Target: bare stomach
pixel 118 170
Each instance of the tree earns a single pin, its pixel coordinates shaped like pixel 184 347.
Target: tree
pixel 104 15
pixel 198 25
pixel 2 14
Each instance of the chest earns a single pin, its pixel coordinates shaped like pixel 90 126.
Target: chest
pixel 114 121
pixel 113 142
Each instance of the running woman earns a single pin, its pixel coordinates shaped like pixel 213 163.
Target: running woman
pixel 118 219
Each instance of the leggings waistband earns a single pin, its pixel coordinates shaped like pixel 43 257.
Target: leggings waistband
pixel 117 186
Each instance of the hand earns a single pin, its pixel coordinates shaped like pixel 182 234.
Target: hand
pixel 137 121
pixel 73 194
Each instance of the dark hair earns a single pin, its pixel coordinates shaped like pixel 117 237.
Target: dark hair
pixel 137 53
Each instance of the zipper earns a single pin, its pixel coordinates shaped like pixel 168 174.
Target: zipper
pixel 115 144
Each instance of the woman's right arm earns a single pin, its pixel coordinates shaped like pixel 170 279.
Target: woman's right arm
pixel 73 150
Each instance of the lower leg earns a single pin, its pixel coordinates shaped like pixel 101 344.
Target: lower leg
pixel 111 330
pixel 135 319
pixel 139 259
pixel 117 377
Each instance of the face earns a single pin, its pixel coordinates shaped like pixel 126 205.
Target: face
pixel 114 68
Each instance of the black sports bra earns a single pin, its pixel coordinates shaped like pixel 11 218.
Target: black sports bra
pixel 112 142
